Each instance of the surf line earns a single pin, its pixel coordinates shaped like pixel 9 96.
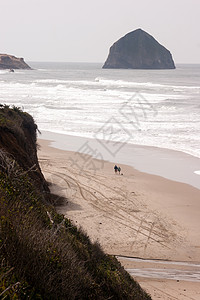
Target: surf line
pixel 191 272
pixel 159 261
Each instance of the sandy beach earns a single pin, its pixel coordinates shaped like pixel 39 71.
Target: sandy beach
pixel 134 215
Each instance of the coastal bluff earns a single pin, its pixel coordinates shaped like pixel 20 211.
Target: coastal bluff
pixel 138 50
pixel 43 255
pixel 11 62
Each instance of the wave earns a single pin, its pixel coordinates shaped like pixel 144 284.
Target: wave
pixel 50 81
pixel 104 85
pixel 103 82
pixel 168 115
pixel 89 133
pixel 54 107
pixel 123 83
pixel 4 71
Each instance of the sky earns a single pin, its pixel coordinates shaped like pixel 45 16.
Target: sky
pixel 83 31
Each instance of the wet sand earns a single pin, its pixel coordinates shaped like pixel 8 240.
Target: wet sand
pixel 170 164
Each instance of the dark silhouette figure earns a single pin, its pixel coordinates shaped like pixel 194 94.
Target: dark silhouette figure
pixel 116 169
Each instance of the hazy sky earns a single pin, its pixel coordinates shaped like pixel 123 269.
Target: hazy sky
pixel 83 31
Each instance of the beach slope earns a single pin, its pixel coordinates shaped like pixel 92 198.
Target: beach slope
pixel 132 215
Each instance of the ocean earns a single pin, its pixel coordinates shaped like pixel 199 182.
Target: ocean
pixel 144 107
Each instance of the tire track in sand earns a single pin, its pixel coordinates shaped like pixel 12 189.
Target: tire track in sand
pixel 118 212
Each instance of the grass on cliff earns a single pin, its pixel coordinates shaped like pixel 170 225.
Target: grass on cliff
pixel 43 255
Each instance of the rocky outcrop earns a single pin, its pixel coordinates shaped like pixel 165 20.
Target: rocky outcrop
pixel 138 50
pixel 12 62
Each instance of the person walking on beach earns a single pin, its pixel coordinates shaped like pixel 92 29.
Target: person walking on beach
pixel 119 170
pixel 115 168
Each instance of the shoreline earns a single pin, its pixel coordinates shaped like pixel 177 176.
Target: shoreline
pixel 170 164
pixel 134 215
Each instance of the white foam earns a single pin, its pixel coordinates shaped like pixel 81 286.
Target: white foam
pixel 122 83
pixel 4 71
pixel 82 107
pixel 117 83
pixel 197 172
pixel 50 81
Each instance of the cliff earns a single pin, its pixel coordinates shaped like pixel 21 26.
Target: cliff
pixel 138 50
pixel 12 62
pixel 42 254
pixel 18 139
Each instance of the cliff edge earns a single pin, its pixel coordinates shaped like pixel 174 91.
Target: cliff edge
pixel 12 62
pixel 18 139
pixel 138 50
pixel 43 255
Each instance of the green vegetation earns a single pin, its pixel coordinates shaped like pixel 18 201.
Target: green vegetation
pixel 42 254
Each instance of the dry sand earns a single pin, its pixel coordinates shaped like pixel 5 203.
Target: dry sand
pixel 134 215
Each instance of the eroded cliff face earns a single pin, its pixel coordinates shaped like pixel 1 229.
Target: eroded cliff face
pixel 18 139
pixel 12 62
pixel 138 50
pixel 44 254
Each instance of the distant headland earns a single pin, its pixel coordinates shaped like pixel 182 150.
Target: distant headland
pixel 12 62
pixel 138 50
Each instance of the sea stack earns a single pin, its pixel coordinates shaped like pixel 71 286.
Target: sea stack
pixel 138 50
pixel 11 62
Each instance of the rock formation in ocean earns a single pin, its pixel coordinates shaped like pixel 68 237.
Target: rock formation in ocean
pixel 12 62
pixel 138 50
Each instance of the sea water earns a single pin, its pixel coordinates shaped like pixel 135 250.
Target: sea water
pixel 144 107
